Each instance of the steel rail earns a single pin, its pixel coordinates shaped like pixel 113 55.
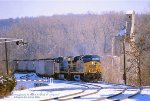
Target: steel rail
pixel 79 94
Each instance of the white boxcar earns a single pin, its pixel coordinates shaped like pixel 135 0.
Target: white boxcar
pixel 30 66
pixel 44 68
pixel 36 64
pixel 49 67
pixel 40 68
pixel 22 66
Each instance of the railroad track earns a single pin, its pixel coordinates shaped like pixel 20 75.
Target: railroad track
pixel 114 97
pixel 103 98
pixel 83 95
pixel 121 95
pixel 94 88
pixel 137 91
pixel 77 94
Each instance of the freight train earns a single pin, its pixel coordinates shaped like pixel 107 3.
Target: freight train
pixel 84 67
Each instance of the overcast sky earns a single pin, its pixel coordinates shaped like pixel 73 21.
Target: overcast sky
pixel 33 8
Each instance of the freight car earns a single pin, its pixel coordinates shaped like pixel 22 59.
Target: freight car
pixel 42 67
pixel 86 68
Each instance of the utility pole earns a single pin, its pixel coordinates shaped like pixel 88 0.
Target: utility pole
pixel 124 62
pixel 6 56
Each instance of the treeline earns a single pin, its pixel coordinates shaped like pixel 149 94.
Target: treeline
pixel 70 35
pixel 62 35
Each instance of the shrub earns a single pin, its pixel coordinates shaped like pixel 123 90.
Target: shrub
pixel 7 83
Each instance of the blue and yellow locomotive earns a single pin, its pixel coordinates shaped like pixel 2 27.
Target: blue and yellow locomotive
pixel 86 68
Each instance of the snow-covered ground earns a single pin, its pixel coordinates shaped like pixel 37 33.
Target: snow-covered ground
pixel 71 90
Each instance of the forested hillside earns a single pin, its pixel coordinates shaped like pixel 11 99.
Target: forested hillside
pixel 62 35
pixel 71 35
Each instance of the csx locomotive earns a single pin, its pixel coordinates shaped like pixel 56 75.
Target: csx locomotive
pixel 86 68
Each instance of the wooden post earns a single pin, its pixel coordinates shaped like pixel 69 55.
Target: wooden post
pixel 6 56
pixel 124 64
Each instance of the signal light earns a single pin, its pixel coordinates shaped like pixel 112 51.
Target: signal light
pixel 20 42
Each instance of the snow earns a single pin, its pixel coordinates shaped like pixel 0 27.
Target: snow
pixel 100 94
pixel 61 88
pixel 144 96
pixel 130 12
pixel 3 79
pixel 122 32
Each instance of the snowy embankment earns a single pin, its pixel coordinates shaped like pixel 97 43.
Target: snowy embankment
pixel 71 90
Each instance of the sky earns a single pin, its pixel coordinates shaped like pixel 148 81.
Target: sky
pixel 33 8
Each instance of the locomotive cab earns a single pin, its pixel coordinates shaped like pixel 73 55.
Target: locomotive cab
pixel 92 68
